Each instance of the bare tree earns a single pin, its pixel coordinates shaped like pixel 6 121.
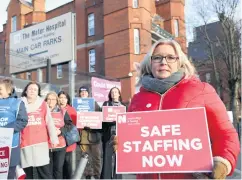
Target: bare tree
pixel 230 49
pixel 226 48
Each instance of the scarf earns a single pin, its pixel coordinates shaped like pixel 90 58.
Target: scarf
pixel 161 85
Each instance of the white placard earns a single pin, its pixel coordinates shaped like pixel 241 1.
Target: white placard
pixel 6 137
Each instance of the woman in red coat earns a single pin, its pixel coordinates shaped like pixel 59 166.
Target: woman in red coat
pixel 65 102
pixel 168 81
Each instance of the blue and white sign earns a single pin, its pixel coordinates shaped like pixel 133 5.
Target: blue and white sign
pixel 84 104
pixel 53 39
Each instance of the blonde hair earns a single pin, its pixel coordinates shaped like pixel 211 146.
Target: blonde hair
pixel 8 83
pixel 53 93
pixel 185 65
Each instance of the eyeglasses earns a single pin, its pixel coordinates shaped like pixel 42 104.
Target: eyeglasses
pixel 159 59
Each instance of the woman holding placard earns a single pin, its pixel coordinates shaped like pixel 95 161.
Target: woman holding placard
pixel 108 129
pixel 35 136
pixel 168 81
pixel 63 123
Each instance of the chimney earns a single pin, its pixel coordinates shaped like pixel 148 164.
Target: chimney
pixel 39 5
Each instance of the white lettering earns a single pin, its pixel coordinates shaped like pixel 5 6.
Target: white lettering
pixel 175 129
pixel 147 147
pixel 160 161
pixel 196 144
pixel 174 160
pixel 167 143
pixel 145 131
pixel 127 147
pixel 147 161
pixel 157 144
pixel 155 131
pixel 136 144
pixel 165 129
pixel 183 144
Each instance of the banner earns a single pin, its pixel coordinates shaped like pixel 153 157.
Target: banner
pixel 84 104
pixel 110 112
pixel 6 136
pixel 101 88
pixel 169 141
pixel 92 120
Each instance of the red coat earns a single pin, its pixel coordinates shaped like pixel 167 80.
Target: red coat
pixel 189 93
pixel 72 113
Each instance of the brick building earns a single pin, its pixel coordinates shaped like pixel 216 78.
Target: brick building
pixel 111 35
pixel 199 51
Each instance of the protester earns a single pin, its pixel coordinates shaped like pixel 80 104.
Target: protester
pixel 34 138
pixel 13 115
pixel 168 82
pixel 63 124
pixel 91 144
pixel 65 103
pixel 114 99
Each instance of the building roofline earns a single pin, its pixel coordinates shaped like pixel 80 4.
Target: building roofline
pixel 61 6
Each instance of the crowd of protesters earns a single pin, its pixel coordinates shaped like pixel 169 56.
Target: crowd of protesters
pixel 41 124
pixel 42 144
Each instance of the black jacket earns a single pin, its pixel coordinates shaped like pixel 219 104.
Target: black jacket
pixel 107 126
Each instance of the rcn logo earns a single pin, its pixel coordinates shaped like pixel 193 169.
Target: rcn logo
pixel 122 119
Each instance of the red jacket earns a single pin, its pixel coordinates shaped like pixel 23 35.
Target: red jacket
pixel 189 93
pixel 73 115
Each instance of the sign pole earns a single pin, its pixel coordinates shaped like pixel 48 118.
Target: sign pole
pixel 48 71
pixel 72 69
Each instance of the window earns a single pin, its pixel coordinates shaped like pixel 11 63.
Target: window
pixel 136 42
pixel 91 25
pixel 40 75
pixel 13 75
pixel 208 77
pixel 176 27
pixel 59 74
pixel 135 4
pixel 14 24
pixel 28 76
pixel 92 60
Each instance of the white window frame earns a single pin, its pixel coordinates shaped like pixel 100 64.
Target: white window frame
pixel 59 71
pixel 28 75
pixel 176 27
pixel 92 60
pixel 136 41
pixel 208 77
pixel 14 23
pixel 91 24
pixel 135 3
